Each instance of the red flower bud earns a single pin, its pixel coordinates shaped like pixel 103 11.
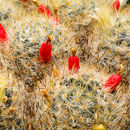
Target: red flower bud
pixel 45 10
pixel 113 82
pixel 73 64
pixel 3 35
pixel 116 5
pixel 45 53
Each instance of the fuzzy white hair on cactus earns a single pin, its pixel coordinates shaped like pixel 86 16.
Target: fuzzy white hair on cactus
pixel 123 2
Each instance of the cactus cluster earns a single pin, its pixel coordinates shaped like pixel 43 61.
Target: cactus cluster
pixel 22 55
pixel 47 96
pixel 8 115
pixel 109 47
pixel 111 50
pixel 70 103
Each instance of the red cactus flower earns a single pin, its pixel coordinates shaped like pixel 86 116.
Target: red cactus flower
pixel 73 62
pixel 45 10
pixel 3 34
pixel 113 82
pixel 45 52
pixel 116 5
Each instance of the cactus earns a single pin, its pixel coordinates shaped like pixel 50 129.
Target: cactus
pixel 23 53
pixel 108 48
pixel 8 116
pixel 71 103
pixel 113 49
pixel 46 96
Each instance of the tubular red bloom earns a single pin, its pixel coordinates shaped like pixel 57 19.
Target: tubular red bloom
pixel 3 35
pixel 113 82
pixel 45 53
pixel 73 63
pixel 45 10
pixel 116 5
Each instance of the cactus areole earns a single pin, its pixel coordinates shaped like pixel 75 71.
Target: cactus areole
pixel 45 52
pixel 116 5
pixel 73 62
pixel 113 82
pixel 45 10
pixel 3 35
